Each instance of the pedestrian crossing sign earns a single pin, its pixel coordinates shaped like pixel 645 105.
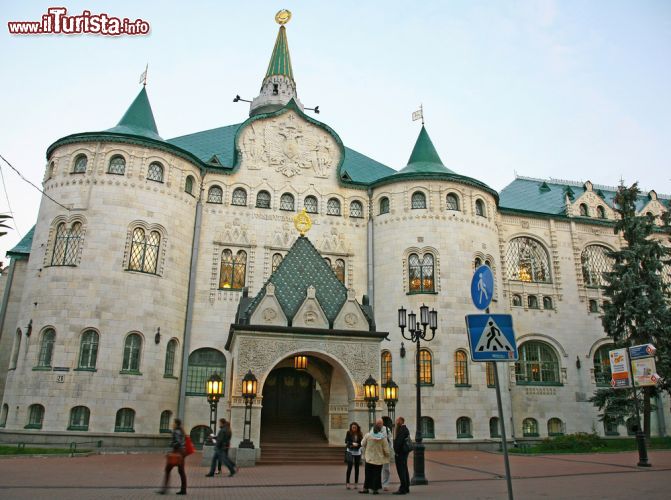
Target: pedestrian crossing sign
pixel 491 337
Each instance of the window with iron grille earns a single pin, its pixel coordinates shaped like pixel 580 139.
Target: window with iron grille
pixel 386 367
pixel 418 200
pixel 460 368
pixel 239 197
pixel 421 273
pixel 428 429
pixel 311 205
pixel 215 195
pixel 144 251
pixel 464 428
pixel 79 419
pixel 263 199
pixel 188 185
pixel 425 367
pixel 170 350
pixel 527 260
pixel 46 348
pixel 277 260
pixel 287 202
pixel 233 270
pixel 494 430
pixel 530 427
pixel 203 363
pixel 490 375
pixel 164 423
pixel 131 353
pixel 480 208
pixel 88 350
pixel 66 244
pixel 452 202
pixel 80 164
pixel 155 172
pixel 555 427
pixel 125 420
pixel 356 209
pixel 35 416
pixel 602 373
pixel 595 262
pixel 339 270
pixel 333 207
pixel 538 364
pixel 117 165
pixel 384 205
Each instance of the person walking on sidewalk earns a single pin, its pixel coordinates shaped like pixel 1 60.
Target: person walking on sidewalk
pixel 175 458
pixel 376 454
pixel 401 452
pixel 221 444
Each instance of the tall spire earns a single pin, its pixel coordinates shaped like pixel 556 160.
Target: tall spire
pixel 424 157
pixel 278 86
pixel 138 119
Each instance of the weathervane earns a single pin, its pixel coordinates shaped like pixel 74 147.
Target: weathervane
pixel 418 115
pixel 283 17
pixel 143 76
pixel 302 222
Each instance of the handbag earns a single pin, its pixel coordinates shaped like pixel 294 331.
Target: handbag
pixel 174 458
pixel 348 457
pixel 189 448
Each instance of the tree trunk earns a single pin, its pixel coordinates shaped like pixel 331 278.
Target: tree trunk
pixel 646 411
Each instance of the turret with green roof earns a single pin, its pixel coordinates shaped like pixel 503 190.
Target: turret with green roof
pixel 138 119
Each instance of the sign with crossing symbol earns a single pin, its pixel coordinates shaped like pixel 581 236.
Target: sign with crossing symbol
pixel 491 337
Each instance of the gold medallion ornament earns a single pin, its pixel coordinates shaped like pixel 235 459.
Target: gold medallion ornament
pixel 283 17
pixel 302 222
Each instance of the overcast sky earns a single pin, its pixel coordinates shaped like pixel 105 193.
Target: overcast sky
pixel 569 89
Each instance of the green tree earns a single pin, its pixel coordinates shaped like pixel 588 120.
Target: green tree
pixel 3 219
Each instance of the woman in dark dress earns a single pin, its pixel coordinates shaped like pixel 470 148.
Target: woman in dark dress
pixel 353 441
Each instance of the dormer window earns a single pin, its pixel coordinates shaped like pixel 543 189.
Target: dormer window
pixel 276 89
pixel 583 210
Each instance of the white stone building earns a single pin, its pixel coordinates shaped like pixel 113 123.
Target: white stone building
pixel 168 260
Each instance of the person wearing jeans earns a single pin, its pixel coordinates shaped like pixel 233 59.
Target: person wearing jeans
pixel 221 445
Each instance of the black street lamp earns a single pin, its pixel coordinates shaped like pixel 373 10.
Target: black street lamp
pixel 214 388
pixel 390 393
pixel 417 333
pixel 249 387
pixel 371 395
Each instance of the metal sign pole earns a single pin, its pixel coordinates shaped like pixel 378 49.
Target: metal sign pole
pixel 503 432
pixel 640 436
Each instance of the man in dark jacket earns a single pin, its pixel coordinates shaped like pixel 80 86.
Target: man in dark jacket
pixel 401 451
pixel 221 444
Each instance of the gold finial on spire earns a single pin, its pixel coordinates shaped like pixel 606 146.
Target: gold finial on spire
pixel 283 17
pixel 302 222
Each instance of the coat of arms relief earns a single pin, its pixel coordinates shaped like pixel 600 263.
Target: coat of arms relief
pixel 290 145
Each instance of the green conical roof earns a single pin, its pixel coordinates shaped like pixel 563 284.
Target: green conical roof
pixel 139 119
pixel 280 61
pixel 424 157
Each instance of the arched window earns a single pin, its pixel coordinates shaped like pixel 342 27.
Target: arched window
pixel 593 306
pixel 144 251
pixel 428 428
pixel 464 429
pixel 494 429
pixel 421 273
pixel 602 373
pixel 88 350
pixel 215 195
pixel 532 302
pixel 155 172
pixel 333 206
pixel 418 200
pixel 263 199
pixel 125 420
pixel 530 427
pixel 537 365
pixel 386 367
pixel 35 417
pixel 46 348
pixel 480 208
pixel 425 367
pixel 384 205
pixel 132 349
pixel 79 419
pixel 81 161
pixel 555 427
pixel 452 202
pixel 117 165
pixel 460 368
pixel 164 423
pixel 527 260
pixel 600 212
pixel 188 184
pixel 3 415
pixel 356 209
pixel 547 303
pixel 595 262
pixel 490 375
pixel 610 426
pixel 170 350
pixel 339 270
pixel 584 212
pixel 17 349
pixel 233 270
pixel 239 197
pixel 328 262
pixel 276 261
pixel 517 300
pixel 311 205
pixel 66 244
pixel 477 262
pixel 287 202
pixel 203 363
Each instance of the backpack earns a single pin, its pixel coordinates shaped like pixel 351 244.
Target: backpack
pixel 189 448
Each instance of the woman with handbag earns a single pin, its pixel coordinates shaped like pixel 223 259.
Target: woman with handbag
pixel 353 453
pixel 175 458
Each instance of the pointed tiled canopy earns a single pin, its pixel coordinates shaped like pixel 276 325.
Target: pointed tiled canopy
pixel 424 157
pixel 139 119
pixel 280 61
pixel 301 267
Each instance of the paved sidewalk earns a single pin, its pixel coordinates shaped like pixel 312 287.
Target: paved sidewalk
pixel 462 474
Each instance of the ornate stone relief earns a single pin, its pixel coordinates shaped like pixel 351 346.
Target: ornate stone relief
pixel 269 311
pixel 289 144
pixel 310 314
pixel 350 316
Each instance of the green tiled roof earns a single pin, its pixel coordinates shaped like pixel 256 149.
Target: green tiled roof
pixel 301 267
pixel 138 119
pixel 280 61
pixel 22 248
pixel 424 157
pixel 204 145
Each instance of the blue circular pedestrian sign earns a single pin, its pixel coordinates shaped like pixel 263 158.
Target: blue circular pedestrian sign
pixel 482 287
